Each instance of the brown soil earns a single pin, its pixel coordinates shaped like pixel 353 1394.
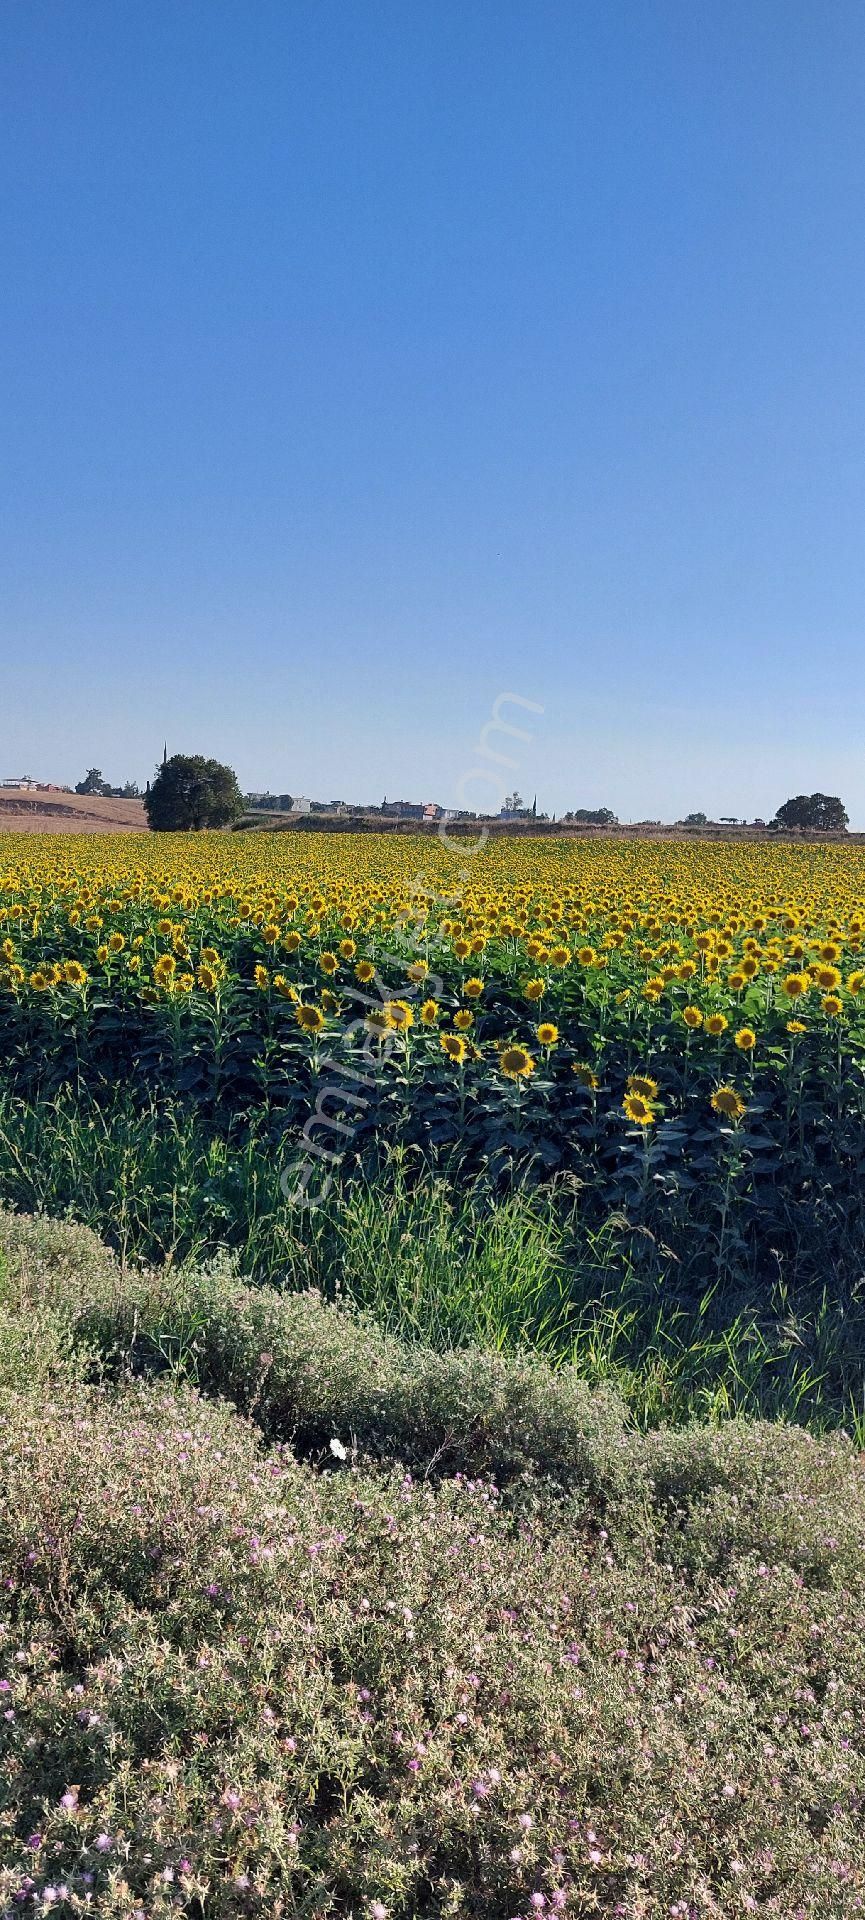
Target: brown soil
pixel 69 813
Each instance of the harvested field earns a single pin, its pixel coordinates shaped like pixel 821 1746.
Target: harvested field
pixel 69 813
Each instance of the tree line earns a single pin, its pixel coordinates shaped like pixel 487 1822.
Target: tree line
pixel 191 793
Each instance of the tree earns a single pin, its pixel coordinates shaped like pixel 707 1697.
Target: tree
pixel 190 793
pixel 92 782
pixel 695 820
pixel 131 790
pixel 513 802
pixel 821 812
pixel 593 817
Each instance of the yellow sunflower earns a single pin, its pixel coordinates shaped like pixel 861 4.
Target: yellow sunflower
pixel 644 1085
pixel 310 1019
pixel 728 1102
pixel 516 1063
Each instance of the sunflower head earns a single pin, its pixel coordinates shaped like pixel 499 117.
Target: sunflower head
pixel 516 1063
pixel 429 1013
pixel 534 989
pixel 464 1019
pixel 547 1033
pixel 309 1019
pixel 727 1102
pixel 644 1085
pixel 717 1023
pixel 473 989
pixel 261 978
pixel 746 1039
pixel 364 972
pixel 328 963
pixel 454 1046
pixel 584 1076
pixel 692 1017
pixel 638 1109
pixel 832 1004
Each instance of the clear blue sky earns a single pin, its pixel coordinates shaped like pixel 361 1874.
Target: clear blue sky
pixel 363 359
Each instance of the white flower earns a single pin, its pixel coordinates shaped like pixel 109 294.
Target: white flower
pixel 338 1450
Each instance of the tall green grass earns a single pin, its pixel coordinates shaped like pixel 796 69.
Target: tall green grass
pixel 444 1263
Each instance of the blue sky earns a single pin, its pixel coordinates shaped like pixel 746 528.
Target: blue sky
pixel 361 362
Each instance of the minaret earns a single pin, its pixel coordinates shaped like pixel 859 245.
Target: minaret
pixel 165 753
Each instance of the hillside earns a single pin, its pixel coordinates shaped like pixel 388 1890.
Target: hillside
pixel 69 813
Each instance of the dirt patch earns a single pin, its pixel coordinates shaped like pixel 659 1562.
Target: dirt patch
pixel 69 813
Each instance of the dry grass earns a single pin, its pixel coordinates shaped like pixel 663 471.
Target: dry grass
pixel 69 813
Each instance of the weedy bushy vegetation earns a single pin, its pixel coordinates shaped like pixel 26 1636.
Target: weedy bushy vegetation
pixel 425 1661
pixel 451 1262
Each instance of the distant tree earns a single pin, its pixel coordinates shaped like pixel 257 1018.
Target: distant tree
pixel 513 802
pixel 695 820
pixel 593 817
pixel 93 782
pixel 822 812
pixel 190 793
pixel 131 791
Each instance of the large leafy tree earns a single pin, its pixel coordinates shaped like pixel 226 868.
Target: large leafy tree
pixel 190 793
pixel 823 811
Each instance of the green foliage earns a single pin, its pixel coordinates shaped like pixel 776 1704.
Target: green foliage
pixel 819 811
pixel 93 782
pixel 190 793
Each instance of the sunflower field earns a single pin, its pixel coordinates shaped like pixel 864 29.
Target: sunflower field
pixel 673 1034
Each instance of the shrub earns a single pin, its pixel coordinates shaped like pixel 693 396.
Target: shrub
pixel 239 1686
